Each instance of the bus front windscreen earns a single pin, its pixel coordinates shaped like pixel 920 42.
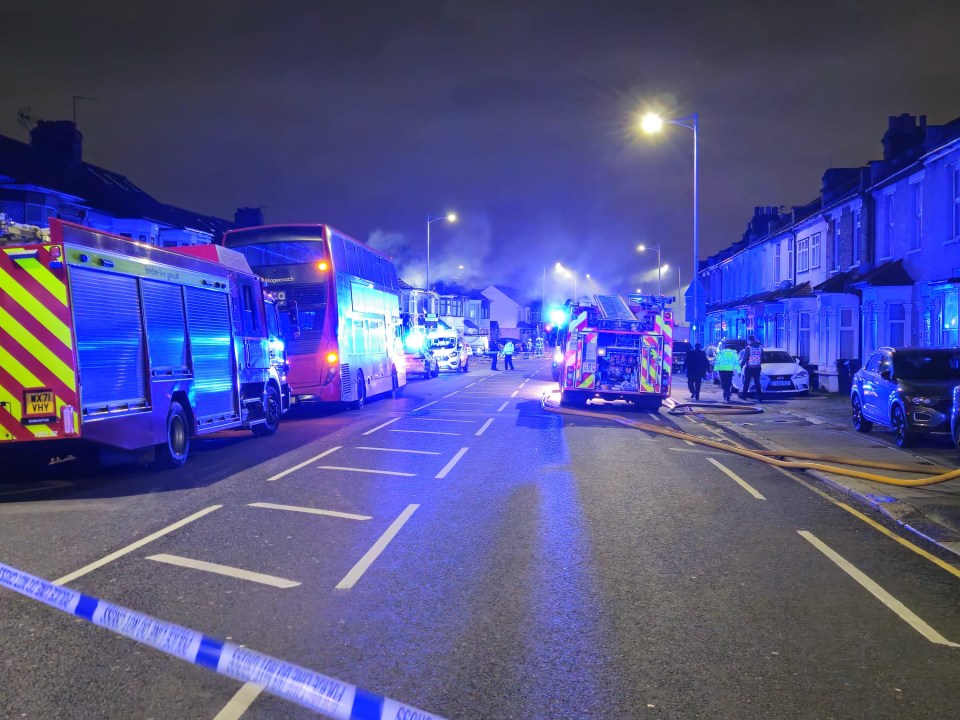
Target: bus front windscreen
pixel 288 252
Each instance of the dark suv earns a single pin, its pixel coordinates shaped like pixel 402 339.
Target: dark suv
pixel 907 389
pixel 680 350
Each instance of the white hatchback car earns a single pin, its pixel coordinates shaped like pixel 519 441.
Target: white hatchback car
pixel 779 373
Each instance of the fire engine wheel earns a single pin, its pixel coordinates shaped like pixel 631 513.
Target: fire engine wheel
pixel 361 393
pixel 173 453
pixel 271 412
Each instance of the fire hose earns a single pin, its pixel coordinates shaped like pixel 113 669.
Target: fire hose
pixel 802 461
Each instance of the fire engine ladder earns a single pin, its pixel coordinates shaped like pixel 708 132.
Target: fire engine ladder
pixel 12 233
pixel 614 307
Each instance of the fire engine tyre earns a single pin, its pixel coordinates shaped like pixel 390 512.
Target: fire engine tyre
pixel 361 392
pixel 173 453
pixel 272 414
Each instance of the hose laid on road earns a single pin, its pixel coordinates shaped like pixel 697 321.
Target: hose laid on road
pixel 771 457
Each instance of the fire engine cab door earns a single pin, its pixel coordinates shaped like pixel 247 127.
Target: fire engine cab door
pixel 211 348
pixel 651 364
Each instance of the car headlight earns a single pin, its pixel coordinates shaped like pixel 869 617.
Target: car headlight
pixel 920 400
pixel 801 374
pixel 558 355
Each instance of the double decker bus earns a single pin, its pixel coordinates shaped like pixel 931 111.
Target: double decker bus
pixel 339 303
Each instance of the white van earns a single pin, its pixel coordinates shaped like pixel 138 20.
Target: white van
pixel 449 350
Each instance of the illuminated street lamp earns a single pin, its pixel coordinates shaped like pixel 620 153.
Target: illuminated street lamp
pixel 450 218
pixel 644 248
pixel 570 274
pixel 652 123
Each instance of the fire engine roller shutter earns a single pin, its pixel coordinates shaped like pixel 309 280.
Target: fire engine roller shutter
pixel 208 324
pixel 166 329
pixel 110 349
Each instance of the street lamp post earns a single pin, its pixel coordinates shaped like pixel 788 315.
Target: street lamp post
pixel 652 123
pixel 643 248
pixel 449 217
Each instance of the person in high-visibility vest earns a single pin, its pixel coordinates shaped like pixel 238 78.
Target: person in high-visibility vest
pixel 726 363
pixel 508 351
pixel 751 358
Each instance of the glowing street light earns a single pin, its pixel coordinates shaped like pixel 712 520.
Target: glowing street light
pixel 644 248
pixel 450 218
pixel 652 123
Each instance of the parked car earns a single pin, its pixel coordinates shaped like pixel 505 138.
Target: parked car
pixel 449 350
pixel 955 418
pixel 421 363
pixel 909 390
pixel 779 373
pixel 680 350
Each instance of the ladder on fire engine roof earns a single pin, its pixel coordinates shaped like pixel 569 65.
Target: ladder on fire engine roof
pixel 13 233
pixel 614 307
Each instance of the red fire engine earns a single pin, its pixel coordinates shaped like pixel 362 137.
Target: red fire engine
pixel 129 346
pixel 617 349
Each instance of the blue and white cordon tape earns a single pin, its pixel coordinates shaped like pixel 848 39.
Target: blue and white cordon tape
pixel 310 689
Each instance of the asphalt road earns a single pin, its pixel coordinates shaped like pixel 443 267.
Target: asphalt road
pixel 536 566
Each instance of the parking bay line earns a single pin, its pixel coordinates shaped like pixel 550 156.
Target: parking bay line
pixel 398 450
pixel 380 427
pixel 365 470
pixel 226 570
pixel 357 571
pixel 425 406
pixel 433 419
pixel 450 465
pixel 303 464
pixel 425 432
pixel 737 479
pixel 907 615
pixel 309 511
pixel 134 546
pixel 484 427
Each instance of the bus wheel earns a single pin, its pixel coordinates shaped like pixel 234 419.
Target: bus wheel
pixel 394 385
pixel 361 392
pixel 271 410
pixel 173 453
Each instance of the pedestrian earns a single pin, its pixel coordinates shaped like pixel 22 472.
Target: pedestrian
pixel 697 365
pixel 494 354
pixel 751 358
pixel 726 363
pixel 508 351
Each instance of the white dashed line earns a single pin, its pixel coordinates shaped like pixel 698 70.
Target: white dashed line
pixel 483 428
pixel 433 419
pixel 310 511
pixel 425 432
pixel 907 615
pixel 500 409
pixel 471 385
pixel 303 464
pixel 357 571
pixel 514 393
pixel 737 479
pixel 451 394
pixel 380 427
pixel 227 570
pixel 427 405
pixel 450 465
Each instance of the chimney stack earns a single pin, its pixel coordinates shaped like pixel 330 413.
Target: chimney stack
pixel 58 141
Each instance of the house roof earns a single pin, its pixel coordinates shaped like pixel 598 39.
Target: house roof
pixel 890 274
pixel 97 187
pixel 511 293
pixel 839 283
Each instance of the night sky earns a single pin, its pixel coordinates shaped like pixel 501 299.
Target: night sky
pixel 517 115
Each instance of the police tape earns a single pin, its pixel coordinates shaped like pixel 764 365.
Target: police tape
pixel 307 688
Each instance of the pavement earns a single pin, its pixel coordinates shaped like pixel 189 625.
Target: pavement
pixel 820 422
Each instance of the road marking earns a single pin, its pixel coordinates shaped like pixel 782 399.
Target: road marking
pixel 380 427
pixel 357 571
pixel 425 432
pixel 451 394
pixel 874 524
pixel 427 405
pixel 471 384
pixel 303 464
pixel 481 379
pixel 469 402
pixel 652 416
pixel 688 442
pixel 310 511
pixel 398 450
pixel 483 428
pixel 514 393
pixel 701 452
pixel 878 592
pixel 218 569
pixel 737 479
pixel 134 546
pixel 433 419
pixel 450 465
pixel 365 470
pixel 524 382
pixel 500 409
pixel 240 702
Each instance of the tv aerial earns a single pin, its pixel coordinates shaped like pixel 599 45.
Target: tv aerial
pixel 25 119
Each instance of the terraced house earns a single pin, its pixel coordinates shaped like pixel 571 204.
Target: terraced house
pixel 874 260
